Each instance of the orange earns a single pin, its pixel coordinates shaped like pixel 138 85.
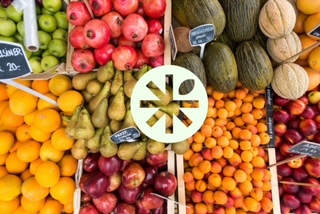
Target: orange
pixel 3 158
pixel 11 89
pixel 6 141
pixel 306 42
pixel 308 6
pixel 47 120
pixel 69 100
pixel 29 118
pixel 20 210
pixel 48 152
pixel 41 86
pixel 25 175
pixel 33 191
pixel 34 165
pixel 42 104
pixel 10 187
pixel 68 165
pixel 22 103
pixel 68 208
pixel 63 190
pixel 60 140
pixel 22 133
pixel 32 206
pixel 39 135
pixel 7 207
pixel 8 118
pixel 47 174
pixel 314 59
pixel 3 92
pixel 14 165
pixel 29 151
pixel 299 26
pixel 59 84
pixel 51 206
pixel 3 171
pixel 314 78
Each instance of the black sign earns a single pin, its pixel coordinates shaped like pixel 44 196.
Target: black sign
pixel 202 34
pixel 269 116
pixel 130 134
pixel 13 61
pixel 306 148
pixel 315 32
pixel 174 49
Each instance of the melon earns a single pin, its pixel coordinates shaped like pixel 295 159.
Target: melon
pixel 290 81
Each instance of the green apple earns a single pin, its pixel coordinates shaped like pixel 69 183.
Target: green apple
pixel 49 62
pixel 52 5
pixel 8 27
pixel 13 14
pixel 35 64
pixel 58 47
pixel 3 13
pixel 48 23
pixel 27 52
pixel 8 39
pixel 38 9
pixel 20 28
pixel 19 37
pixel 37 53
pixel 46 53
pixel 62 20
pixel 45 11
pixel 60 34
pixel 44 39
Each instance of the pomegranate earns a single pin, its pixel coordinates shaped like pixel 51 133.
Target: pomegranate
pixel 124 58
pixel 134 27
pixel 154 26
pixel 83 60
pixel 142 59
pixel 123 41
pixel 100 7
pixel 114 20
pixel 154 8
pixel 157 61
pixel 103 55
pixel 97 33
pixel 126 7
pixel 78 13
pixel 152 45
pixel 76 38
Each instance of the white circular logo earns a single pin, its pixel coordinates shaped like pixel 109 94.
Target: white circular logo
pixel 158 76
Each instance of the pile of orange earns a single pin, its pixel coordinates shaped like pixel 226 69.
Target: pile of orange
pixel 36 167
pixel 308 18
pixel 226 164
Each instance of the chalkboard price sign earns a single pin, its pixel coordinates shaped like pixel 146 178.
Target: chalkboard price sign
pixel 13 61
pixel 306 148
pixel 201 34
pixel 130 134
pixel 315 32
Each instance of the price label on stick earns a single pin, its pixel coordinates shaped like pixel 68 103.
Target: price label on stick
pixel 13 61
pixel 315 32
pixel 202 35
pixel 130 134
pixel 306 148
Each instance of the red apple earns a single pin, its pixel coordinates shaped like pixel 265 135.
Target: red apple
pixel 141 209
pixel 125 208
pixel 312 166
pixel 278 141
pixel 308 127
pixel 284 170
pixel 308 113
pixel 83 179
pixel 161 210
pixel 290 201
pixel 304 197
pixel 150 201
pixel 294 123
pixel 303 209
pixel 280 101
pixel 157 159
pixel 289 188
pixel 106 203
pixel 125 163
pixel 299 174
pixel 109 166
pixel 90 163
pixel 296 107
pixel 281 116
pixel 96 184
pixel 315 205
pixel 316 137
pixel 129 195
pixel 284 209
pixel 293 136
pixel 304 99
pixel 88 208
pixel 312 190
pixel 85 198
pixel 151 174
pixel 114 182
pixel 279 156
pixel 133 175
pixel 165 183
pixel 280 129
pixel 317 120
